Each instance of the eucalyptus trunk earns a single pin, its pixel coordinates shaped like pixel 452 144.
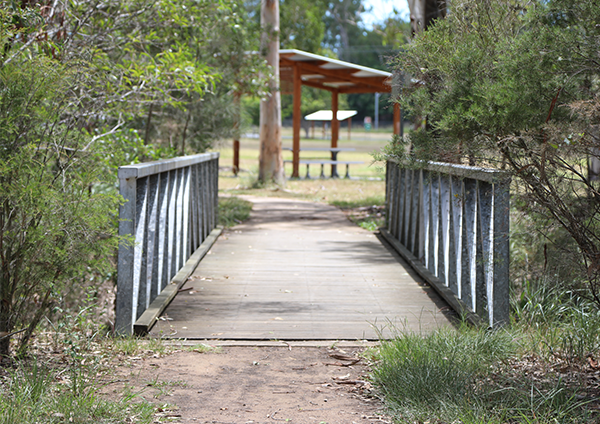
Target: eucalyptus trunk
pixel 270 159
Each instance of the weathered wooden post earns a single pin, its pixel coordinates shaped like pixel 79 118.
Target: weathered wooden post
pixel 297 116
pixel 236 132
pixel 335 125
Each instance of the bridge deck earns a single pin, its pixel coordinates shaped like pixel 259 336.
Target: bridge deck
pixel 300 271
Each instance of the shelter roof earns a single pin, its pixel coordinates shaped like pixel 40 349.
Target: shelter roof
pixel 327 115
pixel 330 74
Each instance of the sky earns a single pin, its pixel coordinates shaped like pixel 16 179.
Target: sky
pixel 382 8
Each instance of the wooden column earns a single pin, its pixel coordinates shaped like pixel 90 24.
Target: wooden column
pixel 297 118
pixel 335 127
pixel 349 127
pixel 236 133
pixel 397 123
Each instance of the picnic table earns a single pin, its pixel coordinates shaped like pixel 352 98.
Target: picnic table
pixel 334 162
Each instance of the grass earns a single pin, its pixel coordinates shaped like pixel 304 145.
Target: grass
pixel 63 376
pixel 233 211
pixel 249 150
pixel 541 369
pixel 469 376
pixel 33 393
pixel 367 213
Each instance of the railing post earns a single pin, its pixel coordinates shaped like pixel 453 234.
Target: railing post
pixel 124 301
pixel 501 291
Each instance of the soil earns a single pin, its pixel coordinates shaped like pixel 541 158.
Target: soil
pixel 277 382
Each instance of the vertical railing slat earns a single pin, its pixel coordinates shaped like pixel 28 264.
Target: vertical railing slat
pixel 139 261
pixel 426 189
pixel 151 251
pixel 469 254
pixel 435 224
pixel 486 232
pixel 397 202
pixel 420 226
pixel 127 225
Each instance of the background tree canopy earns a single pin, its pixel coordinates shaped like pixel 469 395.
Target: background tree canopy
pixel 336 29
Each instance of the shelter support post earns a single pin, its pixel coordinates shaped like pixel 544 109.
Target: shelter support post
pixel 397 123
pixel 296 122
pixel 349 127
pixel 335 127
pixel 236 157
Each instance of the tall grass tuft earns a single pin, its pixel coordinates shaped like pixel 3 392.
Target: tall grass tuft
pixel 470 375
pixel 233 211
pixel 422 374
pixel 30 394
pixel 557 324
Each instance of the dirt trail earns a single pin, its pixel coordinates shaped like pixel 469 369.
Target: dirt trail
pixel 297 382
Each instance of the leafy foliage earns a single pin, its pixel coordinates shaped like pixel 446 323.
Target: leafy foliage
pixel 83 88
pixel 53 224
pixel 514 84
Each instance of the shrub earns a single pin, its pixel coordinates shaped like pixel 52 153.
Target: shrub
pixel 54 225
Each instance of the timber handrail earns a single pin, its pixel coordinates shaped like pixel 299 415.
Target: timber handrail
pixel 170 209
pixel 451 222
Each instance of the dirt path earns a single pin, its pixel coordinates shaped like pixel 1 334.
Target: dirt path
pixel 274 382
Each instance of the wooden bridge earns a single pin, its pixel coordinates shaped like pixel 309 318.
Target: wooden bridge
pixel 301 271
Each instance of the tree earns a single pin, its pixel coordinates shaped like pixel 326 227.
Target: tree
pixel 423 13
pixel 302 25
pixel 514 84
pixel 270 159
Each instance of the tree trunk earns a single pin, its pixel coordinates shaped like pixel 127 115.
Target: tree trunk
pixel 147 133
pixel 187 122
pixel 424 12
pixel 270 159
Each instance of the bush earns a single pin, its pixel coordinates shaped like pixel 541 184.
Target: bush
pixel 54 225
pixel 514 85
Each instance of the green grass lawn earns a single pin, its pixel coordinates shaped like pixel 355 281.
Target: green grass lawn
pixel 365 188
pixel 249 151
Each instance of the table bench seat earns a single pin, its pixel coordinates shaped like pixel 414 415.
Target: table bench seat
pixel 324 162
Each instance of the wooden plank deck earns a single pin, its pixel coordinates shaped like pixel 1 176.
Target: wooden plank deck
pixel 300 271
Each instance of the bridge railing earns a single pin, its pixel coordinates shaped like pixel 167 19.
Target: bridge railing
pixel 451 222
pixel 170 209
